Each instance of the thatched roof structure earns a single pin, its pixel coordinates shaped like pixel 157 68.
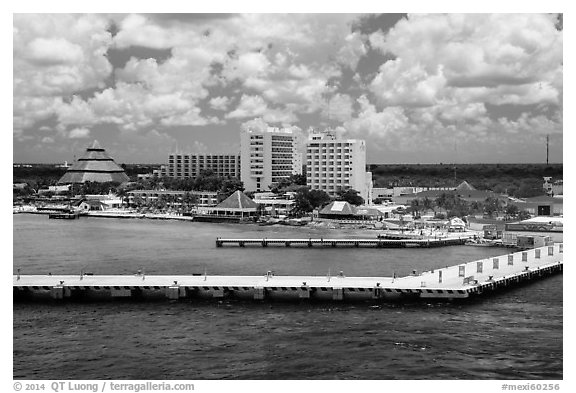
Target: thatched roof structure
pixel 237 202
pixel 338 209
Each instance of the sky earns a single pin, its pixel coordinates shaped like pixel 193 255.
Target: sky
pixel 418 88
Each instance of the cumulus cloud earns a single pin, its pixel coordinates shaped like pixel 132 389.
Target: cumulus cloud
pixel 443 54
pixel 287 59
pixel 256 106
pixel 53 51
pixel 77 133
pixel 249 106
pixel 353 49
pixel 370 121
pixel 247 65
pixel 436 76
pixel 257 124
pixel 58 54
pixel 219 103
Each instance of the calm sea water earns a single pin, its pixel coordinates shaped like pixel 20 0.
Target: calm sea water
pixel 512 335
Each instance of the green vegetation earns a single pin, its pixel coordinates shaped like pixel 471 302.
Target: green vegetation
pixel 293 183
pixel 520 180
pixel 206 181
pixel 307 200
pixel 351 196
pixel 455 206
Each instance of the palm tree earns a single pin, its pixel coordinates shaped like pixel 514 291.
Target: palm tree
pixel 121 193
pixel 428 204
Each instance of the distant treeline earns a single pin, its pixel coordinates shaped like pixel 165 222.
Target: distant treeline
pixel 49 174
pixel 519 180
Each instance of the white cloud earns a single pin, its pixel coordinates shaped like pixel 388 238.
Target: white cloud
pixel 219 103
pixel 444 75
pixel 249 106
pixel 255 106
pixel 29 110
pixel 441 55
pixel 397 84
pixel 139 30
pixel 455 113
pixel 58 54
pixel 54 51
pixel 370 122
pixel 353 49
pixel 77 133
pixel 257 124
pixel 247 65
pixel 190 118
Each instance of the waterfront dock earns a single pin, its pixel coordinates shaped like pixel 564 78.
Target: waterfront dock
pixel 366 243
pixel 461 281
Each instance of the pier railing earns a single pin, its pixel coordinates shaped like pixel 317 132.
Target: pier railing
pixel 321 242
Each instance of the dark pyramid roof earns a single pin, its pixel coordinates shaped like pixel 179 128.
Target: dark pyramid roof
pixel 465 186
pixel 238 200
pixel 95 165
pixel 96 146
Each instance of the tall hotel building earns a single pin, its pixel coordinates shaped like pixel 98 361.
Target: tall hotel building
pixel 181 166
pixel 334 164
pixel 268 156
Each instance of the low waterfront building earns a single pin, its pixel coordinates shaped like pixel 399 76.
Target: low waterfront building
pixel 108 201
pixel 19 186
pixel 338 210
pixel 390 210
pixel 94 166
pixel 90 205
pixel 542 205
pixel 456 224
pixel 380 193
pixel 553 187
pixel 368 213
pixel 275 204
pixel 190 165
pixel 237 205
pixel 197 198
pixel 464 191
pixel 59 189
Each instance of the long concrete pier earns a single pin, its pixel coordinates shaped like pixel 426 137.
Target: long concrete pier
pixel 321 242
pixel 460 281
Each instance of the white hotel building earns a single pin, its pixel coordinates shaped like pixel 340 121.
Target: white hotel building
pixel 182 166
pixel 268 156
pixel 334 164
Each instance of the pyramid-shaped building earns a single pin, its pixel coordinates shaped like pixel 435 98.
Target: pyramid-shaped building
pixel 465 186
pixel 95 166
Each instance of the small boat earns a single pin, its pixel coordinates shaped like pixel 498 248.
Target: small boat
pixel 480 243
pixel 69 214
pixel 64 215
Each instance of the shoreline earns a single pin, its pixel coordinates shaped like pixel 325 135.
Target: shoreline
pixel 317 224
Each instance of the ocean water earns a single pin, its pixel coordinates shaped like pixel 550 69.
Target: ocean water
pixel 511 335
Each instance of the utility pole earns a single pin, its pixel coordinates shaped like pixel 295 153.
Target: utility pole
pixel 547 143
pixel 455 159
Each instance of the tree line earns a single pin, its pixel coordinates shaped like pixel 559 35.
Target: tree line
pixel 455 206
pixel 518 180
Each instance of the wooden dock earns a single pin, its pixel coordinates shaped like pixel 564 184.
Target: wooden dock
pixel 349 243
pixel 460 281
